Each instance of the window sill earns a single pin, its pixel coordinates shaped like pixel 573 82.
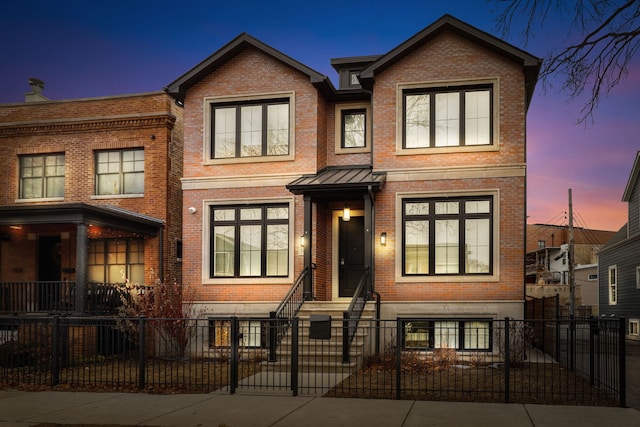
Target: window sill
pixel 117 196
pixel 40 200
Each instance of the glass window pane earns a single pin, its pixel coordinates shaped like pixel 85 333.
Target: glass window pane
pixel 416 208
pixel 278 130
pixel 477 206
pixel 417 121
pixel 250 250
pixel 55 187
pixel 416 335
pixel 416 249
pixel 476 335
pixel 224 140
pixel 447 246
pixel 134 183
pixel 116 273
pixel 278 213
pixel 354 129
pixel 477 118
pixel 108 184
pixel 277 250
pixel 447 208
pixel 224 214
pixel 250 332
pixel 95 273
pixel 251 131
pixel 31 188
pixel 477 245
pixel 447 119
pixel 136 273
pixel 249 214
pixel 223 251
pixel 445 334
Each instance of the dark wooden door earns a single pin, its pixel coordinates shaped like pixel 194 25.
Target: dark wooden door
pixel 350 255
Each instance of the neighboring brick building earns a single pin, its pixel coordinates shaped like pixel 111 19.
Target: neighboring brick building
pixel 91 193
pixel 409 178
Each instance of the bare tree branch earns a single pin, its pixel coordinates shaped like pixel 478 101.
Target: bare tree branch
pixel 607 34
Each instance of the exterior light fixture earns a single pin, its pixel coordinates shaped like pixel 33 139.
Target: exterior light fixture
pixel 346 213
pixel 302 241
pixel 383 238
pixel 192 210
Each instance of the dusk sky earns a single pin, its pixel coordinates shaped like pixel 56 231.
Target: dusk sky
pixel 84 49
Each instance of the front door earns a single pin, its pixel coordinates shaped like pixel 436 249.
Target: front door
pixel 350 255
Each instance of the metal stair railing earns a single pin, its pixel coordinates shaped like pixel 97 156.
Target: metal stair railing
pixel 351 317
pixel 286 311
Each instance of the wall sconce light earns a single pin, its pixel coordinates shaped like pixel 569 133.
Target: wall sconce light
pixel 192 210
pixel 383 238
pixel 302 241
pixel 346 213
pixel 15 227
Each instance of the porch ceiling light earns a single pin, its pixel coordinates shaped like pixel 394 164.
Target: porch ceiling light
pixel 15 227
pixel 346 213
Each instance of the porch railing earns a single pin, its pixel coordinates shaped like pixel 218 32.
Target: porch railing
pixel 286 311
pixel 58 297
pixel 352 315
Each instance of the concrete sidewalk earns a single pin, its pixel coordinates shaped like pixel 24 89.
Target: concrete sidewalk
pixel 19 408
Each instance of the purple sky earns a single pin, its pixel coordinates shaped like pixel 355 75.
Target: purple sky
pixel 86 49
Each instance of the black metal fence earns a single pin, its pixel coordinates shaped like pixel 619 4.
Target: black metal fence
pixel 480 360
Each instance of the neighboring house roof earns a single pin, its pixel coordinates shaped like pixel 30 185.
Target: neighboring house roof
pixel 78 213
pixel 178 88
pixel 530 63
pixel 620 236
pixel 633 179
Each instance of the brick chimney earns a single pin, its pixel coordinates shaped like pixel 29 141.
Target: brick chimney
pixel 35 95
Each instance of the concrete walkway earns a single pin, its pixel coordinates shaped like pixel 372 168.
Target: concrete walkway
pixel 50 408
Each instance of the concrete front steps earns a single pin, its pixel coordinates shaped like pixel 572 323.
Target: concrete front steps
pixel 323 355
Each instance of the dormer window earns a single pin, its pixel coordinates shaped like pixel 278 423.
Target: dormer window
pixel 353 79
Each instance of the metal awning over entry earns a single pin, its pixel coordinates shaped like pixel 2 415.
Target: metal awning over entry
pixel 338 182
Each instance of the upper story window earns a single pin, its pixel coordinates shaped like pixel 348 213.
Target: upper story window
pixel 250 129
pixel 447 117
pixel 250 241
pixel 41 176
pixel 354 128
pixel 447 236
pixel 119 172
pixel 542 244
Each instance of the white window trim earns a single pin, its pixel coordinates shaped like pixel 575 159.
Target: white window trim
pixel 635 322
pixel 463 278
pixel 638 277
pixel 613 301
pixel 401 87
pixel 206 134
pixel 206 235
pixel 338 128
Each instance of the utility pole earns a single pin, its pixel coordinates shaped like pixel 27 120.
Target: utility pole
pixel 572 271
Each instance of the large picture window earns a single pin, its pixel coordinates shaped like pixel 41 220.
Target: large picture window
pixel 119 172
pixel 446 117
pixel 250 241
pixel 460 335
pixel 250 129
pixel 444 236
pixel 42 176
pixel 115 261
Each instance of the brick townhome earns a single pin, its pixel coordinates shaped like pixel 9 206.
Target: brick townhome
pixel 91 193
pixel 409 178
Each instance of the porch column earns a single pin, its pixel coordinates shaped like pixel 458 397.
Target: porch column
pixel 368 237
pixel 308 243
pixel 81 268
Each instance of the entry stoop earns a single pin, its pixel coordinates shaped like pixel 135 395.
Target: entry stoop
pixel 323 355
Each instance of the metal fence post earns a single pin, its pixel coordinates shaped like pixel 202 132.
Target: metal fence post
pixel 507 357
pixel 142 352
pixel 273 336
pixel 622 364
pixel 294 355
pixel 346 357
pixel 234 362
pixel 398 359
pixel 55 361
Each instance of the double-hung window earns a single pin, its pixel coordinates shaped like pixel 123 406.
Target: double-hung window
pixel 447 117
pixel 250 129
pixel 613 285
pixel 120 172
pixel 460 335
pixel 447 236
pixel 250 241
pixel 42 176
